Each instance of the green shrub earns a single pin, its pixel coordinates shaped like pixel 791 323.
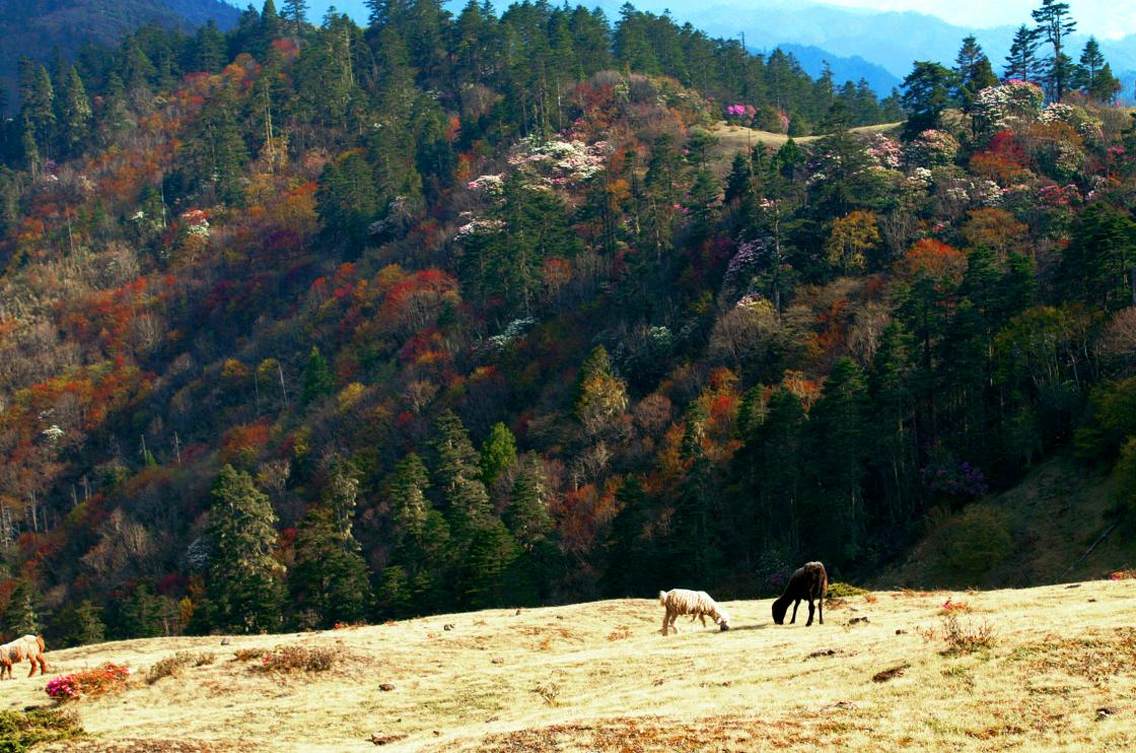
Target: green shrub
pixel 963 548
pixel 20 730
pixel 838 590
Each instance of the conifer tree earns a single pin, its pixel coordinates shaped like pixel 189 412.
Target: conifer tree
pixel 527 515
pixel 973 72
pixel 21 617
pixel 406 490
pixel 1022 62
pixel 329 581
pixel 296 11
pixel 243 580
pixel 458 476
pixel 498 454
pixel 1054 24
pixel 75 112
pixel 318 381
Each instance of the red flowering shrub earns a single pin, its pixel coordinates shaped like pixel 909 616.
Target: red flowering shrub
pixel 109 678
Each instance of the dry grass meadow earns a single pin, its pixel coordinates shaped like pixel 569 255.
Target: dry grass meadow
pixel 1040 669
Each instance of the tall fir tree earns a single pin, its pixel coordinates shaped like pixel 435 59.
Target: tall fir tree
pixel 1055 25
pixel 244 578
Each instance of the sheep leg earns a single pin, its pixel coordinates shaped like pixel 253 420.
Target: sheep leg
pixel 820 608
pixel 703 618
pixel 796 604
pixel 812 609
pixel 666 617
pixel 42 665
pixel 31 660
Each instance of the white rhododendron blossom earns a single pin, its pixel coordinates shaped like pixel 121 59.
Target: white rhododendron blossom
pixel 52 434
pixel 488 183
pixel 480 226
pixel 1007 105
pixel 511 332
pixel 559 162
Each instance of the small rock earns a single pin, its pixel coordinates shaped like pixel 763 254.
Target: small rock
pixel 492 719
pixel 378 739
pixel 1073 585
pixel 822 652
pixel 900 631
pixel 516 613
pixel 1092 601
pixel 226 641
pixel 890 674
pixel 497 660
pixel 448 626
pixel 437 733
pixel 560 617
pixel 386 687
pixel 657 682
pixel 856 620
pixel 1105 711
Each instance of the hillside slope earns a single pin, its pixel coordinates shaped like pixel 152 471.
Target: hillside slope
pixel 1059 524
pixel 39 29
pixel 599 677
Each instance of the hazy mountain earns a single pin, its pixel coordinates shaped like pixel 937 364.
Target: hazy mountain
pixel 853 68
pixel 37 28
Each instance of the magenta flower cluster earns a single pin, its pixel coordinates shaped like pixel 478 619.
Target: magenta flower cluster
pixel 741 111
pixel 63 688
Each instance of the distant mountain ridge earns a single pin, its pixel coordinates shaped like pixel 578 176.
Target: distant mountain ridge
pixel 844 68
pixel 37 28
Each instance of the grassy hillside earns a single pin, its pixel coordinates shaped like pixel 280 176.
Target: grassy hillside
pixel 1057 675
pixel 1055 526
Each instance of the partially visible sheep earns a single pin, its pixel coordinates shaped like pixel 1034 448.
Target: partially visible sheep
pixel 29 647
pixel 809 582
pixel 695 603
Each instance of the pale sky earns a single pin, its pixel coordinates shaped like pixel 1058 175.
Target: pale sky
pixel 1107 19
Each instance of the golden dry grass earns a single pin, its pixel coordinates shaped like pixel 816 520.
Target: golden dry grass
pixel 734 138
pixel 1060 675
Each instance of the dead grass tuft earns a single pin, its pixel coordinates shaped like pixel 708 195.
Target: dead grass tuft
pixel 298 659
pixel 966 638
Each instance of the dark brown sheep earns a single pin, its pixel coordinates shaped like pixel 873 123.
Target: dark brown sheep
pixel 808 582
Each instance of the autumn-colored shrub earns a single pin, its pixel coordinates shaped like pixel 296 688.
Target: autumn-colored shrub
pixel 109 678
pixel 298 659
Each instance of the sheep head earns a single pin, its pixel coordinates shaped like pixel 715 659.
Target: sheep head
pixel 723 620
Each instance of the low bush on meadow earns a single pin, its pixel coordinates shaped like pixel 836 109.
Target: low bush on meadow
pixel 297 659
pixel 109 678
pixel 20 730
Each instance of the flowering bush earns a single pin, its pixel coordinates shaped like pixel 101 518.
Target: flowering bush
pixel 1007 106
pixel 885 152
pixel 931 148
pixel 91 682
pixel 559 162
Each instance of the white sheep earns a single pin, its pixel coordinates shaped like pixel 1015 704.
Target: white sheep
pixel 695 603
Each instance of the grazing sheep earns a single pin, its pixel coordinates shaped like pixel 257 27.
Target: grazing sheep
pixel 695 603
pixel 809 582
pixel 29 647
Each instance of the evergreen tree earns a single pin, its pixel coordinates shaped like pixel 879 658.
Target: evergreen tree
pixel 1100 261
pixel 243 579
pixel 79 625
pixel 329 582
pixel 406 490
pixel 926 93
pixel 296 11
pixel 317 380
pixel 527 515
pixel 1094 75
pixel 348 200
pixel 498 454
pixel 458 475
pixel 973 72
pixel 75 112
pixel 21 617
pixel 490 555
pixel 628 550
pixel 1054 24
pixel 1022 62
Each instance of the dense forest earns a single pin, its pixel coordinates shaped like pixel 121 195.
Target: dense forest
pixel 304 325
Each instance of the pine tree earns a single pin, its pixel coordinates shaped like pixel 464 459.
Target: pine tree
pixel 329 581
pixel 75 112
pixel 209 48
pixel 837 428
pixel 1022 62
pixel 406 490
pixel 1094 75
pixel 38 108
pixel 487 562
pixel 317 380
pixel 628 551
pixel 973 72
pixel 270 25
pixel 79 625
pixel 498 454
pixel 243 580
pixel 458 476
pixel 1054 24
pixel 527 515
pixel 20 617
pixel 296 11
pixel 926 93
